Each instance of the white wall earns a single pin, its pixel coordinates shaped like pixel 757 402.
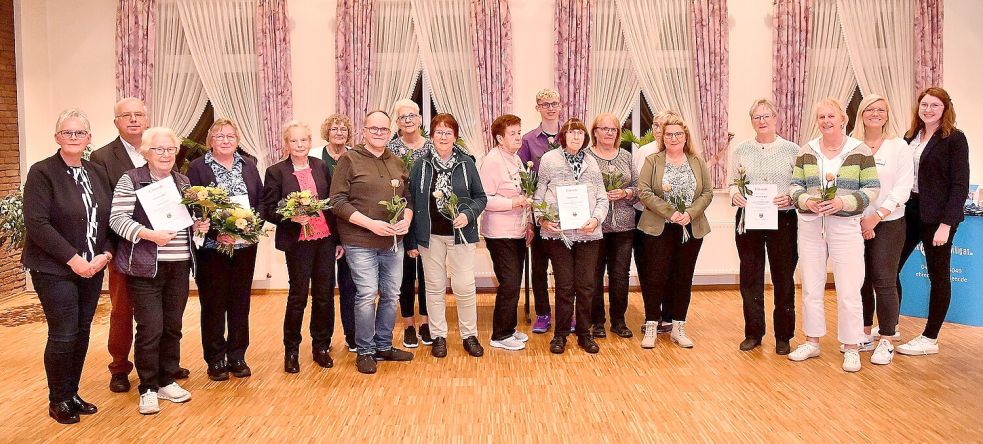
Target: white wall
pixel 59 68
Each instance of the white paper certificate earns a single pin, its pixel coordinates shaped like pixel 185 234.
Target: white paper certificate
pixel 573 206
pixel 242 200
pixel 761 213
pixel 162 203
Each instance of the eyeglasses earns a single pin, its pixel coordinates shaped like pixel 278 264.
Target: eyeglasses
pixel 163 150
pixel 762 117
pixel 929 105
pixel 224 137
pixel 131 116
pixel 549 105
pixel 443 134
pixel 408 117
pixel 875 111
pixel 69 134
pixel 377 130
pixel 607 129
pixel 338 130
pixel 678 135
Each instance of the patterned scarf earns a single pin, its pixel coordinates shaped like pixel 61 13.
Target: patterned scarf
pixel 442 176
pixel 576 163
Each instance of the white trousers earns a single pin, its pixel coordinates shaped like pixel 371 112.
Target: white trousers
pixel 440 259
pixel 844 246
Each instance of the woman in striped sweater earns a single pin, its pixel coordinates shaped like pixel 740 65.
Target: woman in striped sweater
pixel 829 228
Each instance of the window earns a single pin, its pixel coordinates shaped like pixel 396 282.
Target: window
pixel 423 98
pixel 851 109
pixel 639 121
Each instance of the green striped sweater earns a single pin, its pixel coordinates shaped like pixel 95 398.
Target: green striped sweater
pixel 856 181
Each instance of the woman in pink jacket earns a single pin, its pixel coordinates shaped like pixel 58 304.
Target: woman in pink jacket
pixel 507 232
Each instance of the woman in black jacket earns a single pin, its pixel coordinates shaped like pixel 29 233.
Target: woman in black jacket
pixel 942 176
pixel 225 301
pixel 66 214
pixel 310 258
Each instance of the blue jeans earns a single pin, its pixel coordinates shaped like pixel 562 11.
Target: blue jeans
pixel 375 270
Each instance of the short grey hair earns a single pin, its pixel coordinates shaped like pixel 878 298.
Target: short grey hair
pixel 151 133
pixel 765 103
pixel 72 113
pixel 405 103
pixel 126 100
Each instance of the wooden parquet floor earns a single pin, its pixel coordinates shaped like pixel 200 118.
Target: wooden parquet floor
pixel 712 392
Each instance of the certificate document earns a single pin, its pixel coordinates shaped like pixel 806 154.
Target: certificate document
pixel 761 213
pixel 162 203
pixel 573 205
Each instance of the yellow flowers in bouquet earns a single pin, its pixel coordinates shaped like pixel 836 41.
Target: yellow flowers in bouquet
pixel 242 225
pixel 301 203
pixel 205 200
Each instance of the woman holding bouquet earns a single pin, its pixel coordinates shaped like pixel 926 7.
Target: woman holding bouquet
pixel 833 182
pixel 224 282
pixel 309 243
pixel 572 250
pixel 618 227
pixel 675 188
pixel 506 225
pixel 447 199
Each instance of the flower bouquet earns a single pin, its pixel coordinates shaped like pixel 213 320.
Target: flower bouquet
pixel 243 225
pixel 741 183
pixel 613 180
pixel 205 200
pixel 394 208
pixel 678 201
pixel 551 214
pixel 450 207
pixel 302 203
pixel 527 184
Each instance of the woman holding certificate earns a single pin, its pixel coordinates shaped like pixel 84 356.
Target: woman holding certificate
pixel 156 260
pixel 765 164
pixel 833 182
pixel 675 188
pixel 570 204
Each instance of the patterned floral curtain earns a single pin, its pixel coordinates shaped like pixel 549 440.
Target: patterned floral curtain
pixel 273 64
pixel 792 23
pixel 710 59
pixel 136 33
pixel 928 43
pixel 574 28
pixel 354 45
pixel 491 47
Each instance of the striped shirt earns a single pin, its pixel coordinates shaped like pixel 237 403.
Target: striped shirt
pixel 122 222
pixel 91 206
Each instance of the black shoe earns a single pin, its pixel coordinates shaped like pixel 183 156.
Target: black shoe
pixel 598 331
pixel 782 348
pixel 409 337
pixel 323 358
pixel 81 407
pixel 587 343
pixel 558 344
pixel 239 369
pixel 439 347
pixel 218 371
pixel 621 330
pixel 393 354
pixel 425 337
pixel 473 347
pixel 291 363
pixel 181 373
pixel 365 364
pixel 749 344
pixel 119 383
pixel 665 327
pixel 63 412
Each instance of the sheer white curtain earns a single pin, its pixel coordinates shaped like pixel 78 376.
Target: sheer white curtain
pixel 397 55
pixel 659 40
pixel 221 36
pixel 880 41
pixel 444 31
pixel 178 94
pixel 613 83
pixel 829 72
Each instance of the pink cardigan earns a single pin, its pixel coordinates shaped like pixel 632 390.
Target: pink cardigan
pixel 500 179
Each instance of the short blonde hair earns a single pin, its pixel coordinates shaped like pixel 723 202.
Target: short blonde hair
pixel 333 119
pixel 676 120
pixel 291 125
pixel 151 133
pixel 72 113
pixel 547 94
pixel 832 103
pixel 405 103
pixel 765 103
pixel 218 125
pixel 858 127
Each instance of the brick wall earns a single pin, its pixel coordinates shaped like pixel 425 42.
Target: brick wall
pixel 11 275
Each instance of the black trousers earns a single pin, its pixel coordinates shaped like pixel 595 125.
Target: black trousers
pixel 507 258
pixel 937 258
pixel 671 264
pixel 311 268
pixel 346 293
pixel 69 303
pixel 615 255
pixel 224 286
pixel 158 309
pixel 573 284
pixel 781 247
pixel 641 267
pixel 412 279
pixel 881 258
pixel 540 281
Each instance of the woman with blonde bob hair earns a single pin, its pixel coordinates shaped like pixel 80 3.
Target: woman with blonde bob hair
pixel 883 223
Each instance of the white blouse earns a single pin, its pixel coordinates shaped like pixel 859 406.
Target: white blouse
pixel 895 170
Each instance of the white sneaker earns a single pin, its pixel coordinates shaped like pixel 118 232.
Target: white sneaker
pixel 651 330
pixel 919 346
pixel 148 403
pixel 866 346
pixel 520 336
pixel 509 343
pixel 805 351
pixel 884 353
pixel 678 334
pixel 876 333
pixel 174 393
pixel 851 361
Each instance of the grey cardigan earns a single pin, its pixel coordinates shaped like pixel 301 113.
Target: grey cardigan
pixel 554 172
